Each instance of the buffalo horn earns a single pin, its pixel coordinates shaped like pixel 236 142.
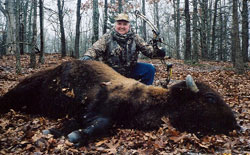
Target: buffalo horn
pixel 191 84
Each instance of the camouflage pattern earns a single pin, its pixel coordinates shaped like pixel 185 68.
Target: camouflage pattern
pixel 120 51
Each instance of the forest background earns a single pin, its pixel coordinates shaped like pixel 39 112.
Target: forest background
pixel 192 30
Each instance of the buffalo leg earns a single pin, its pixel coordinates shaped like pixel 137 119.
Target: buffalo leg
pixel 96 128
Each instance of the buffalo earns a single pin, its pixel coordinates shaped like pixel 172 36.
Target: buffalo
pixel 97 98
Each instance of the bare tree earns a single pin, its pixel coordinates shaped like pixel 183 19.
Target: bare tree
pixel 144 29
pixel 105 22
pixel 78 21
pixel 224 22
pixel 245 31
pixel 238 60
pixel 187 55
pixel 41 57
pixel 120 6
pixel 203 31
pixel 9 13
pixel 95 21
pixel 195 33
pixel 60 14
pixel 212 52
pixel 17 50
pixel 29 34
pixel 12 12
pixel 177 27
pixel 24 22
pixel 156 15
pixel 34 36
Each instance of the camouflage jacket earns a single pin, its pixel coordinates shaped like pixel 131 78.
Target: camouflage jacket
pixel 119 51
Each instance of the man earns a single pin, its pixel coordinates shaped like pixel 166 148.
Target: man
pixel 120 48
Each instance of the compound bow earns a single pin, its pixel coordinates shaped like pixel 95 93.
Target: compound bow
pixel 154 42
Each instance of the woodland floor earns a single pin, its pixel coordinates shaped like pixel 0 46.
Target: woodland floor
pixel 22 133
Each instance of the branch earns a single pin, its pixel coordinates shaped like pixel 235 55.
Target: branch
pixel 2 9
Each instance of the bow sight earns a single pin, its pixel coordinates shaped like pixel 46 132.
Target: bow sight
pixel 154 43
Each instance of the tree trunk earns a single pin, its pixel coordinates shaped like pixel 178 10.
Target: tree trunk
pixel 29 36
pixel 177 27
pixel 195 33
pixel 3 45
pixel 212 52
pixel 34 36
pixel 120 6
pixel 78 21
pixel 105 22
pixel 144 29
pixel 225 34
pixel 3 49
pixel 60 14
pixel 17 50
pixel 238 64
pixel 209 26
pixel 203 34
pixel 188 33
pixel 21 28
pixel 41 57
pixel 245 31
pixel 25 16
pixel 156 15
pixel 95 21
pixel 11 26
pixel 220 50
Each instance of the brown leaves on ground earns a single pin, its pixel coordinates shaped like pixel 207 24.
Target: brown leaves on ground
pixel 22 133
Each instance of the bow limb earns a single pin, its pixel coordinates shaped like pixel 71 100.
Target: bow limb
pixel 154 29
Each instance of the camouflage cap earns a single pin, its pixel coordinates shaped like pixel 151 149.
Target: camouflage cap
pixel 122 17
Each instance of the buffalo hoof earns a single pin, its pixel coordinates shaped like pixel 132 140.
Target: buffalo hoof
pixel 53 132
pixel 77 137
pixel 46 132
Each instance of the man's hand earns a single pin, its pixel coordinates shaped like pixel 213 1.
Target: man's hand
pixel 86 57
pixel 160 52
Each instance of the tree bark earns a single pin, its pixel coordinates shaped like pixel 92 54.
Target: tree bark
pixel 34 36
pixel 212 52
pixel 95 21
pixel 42 41
pixel 177 27
pixel 156 15
pixel 187 55
pixel 4 42
pixel 120 6
pixel 3 45
pixel 144 29
pixel 78 21
pixel 195 33
pixel 29 36
pixel 220 49
pixel 209 28
pixel 25 17
pixel 238 64
pixel 21 27
pixel 60 14
pixel 245 31
pixel 17 50
pixel 9 13
pixel 204 23
pixel 105 24
pixel 225 33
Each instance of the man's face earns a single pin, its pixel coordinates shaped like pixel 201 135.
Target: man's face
pixel 122 27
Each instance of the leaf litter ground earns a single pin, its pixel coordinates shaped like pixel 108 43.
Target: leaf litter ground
pixel 21 133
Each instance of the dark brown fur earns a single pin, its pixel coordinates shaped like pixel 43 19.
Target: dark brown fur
pixel 80 88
